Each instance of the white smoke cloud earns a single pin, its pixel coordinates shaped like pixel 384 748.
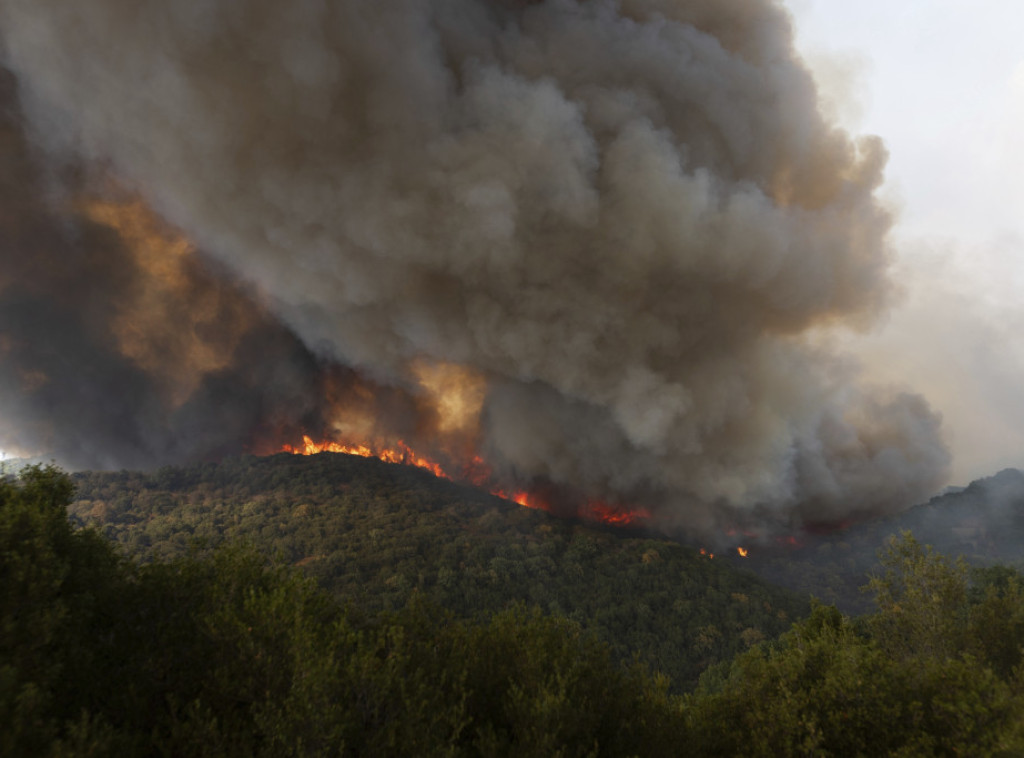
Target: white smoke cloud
pixel 626 216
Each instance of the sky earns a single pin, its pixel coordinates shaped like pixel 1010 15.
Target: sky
pixel 942 82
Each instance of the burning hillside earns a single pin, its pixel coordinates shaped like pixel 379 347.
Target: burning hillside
pixel 589 248
pixel 479 474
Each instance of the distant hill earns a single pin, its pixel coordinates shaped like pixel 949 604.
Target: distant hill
pixel 983 522
pixel 377 533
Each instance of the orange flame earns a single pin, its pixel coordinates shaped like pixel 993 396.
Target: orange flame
pixel 706 553
pixel 401 453
pixel 742 551
pixel 475 472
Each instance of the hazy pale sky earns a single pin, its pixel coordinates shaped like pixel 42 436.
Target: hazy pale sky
pixel 942 82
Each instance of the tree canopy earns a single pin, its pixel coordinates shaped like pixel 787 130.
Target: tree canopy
pixel 222 652
pixel 377 534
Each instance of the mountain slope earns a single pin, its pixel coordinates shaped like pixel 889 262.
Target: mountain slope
pixel 983 522
pixel 377 533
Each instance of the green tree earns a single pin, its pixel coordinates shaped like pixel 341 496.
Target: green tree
pixel 922 601
pixel 926 675
pixel 996 621
pixel 56 587
pixel 223 653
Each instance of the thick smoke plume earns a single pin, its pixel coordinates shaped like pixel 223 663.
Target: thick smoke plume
pixel 614 224
pixel 120 346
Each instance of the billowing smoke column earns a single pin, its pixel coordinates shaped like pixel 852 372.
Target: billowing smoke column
pixel 120 346
pixel 616 223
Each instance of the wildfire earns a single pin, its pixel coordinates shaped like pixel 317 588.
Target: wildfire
pixel 609 515
pixel 401 453
pixel 475 472
pixel 742 551
pixel 707 553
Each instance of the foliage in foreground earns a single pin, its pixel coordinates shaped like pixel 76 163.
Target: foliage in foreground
pixel 935 671
pixel 222 654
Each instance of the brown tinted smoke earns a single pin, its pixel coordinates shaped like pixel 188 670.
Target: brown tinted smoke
pixel 119 346
pixel 625 216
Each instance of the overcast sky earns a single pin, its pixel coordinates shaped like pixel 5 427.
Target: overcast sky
pixel 942 82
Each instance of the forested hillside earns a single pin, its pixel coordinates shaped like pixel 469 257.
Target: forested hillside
pixel 375 534
pixel 221 653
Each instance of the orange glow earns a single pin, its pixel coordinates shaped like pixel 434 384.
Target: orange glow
pixel 401 453
pixel 475 472
pixel 742 551
pixel 706 553
pixel 456 393
pixel 609 515
pixel 175 324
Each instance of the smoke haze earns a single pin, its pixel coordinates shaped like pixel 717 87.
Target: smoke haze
pixel 612 226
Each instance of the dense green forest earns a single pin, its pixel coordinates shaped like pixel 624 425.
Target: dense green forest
pixel 376 533
pixel 318 512
pixel 221 652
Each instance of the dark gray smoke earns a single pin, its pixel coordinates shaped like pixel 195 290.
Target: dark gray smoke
pixel 122 347
pixel 622 220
